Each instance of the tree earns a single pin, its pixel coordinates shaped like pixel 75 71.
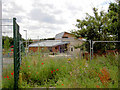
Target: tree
pixel 30 41
pixel 101 26
pixel 6 44
pixel 118 44
pixel 114 14
pixel 9 38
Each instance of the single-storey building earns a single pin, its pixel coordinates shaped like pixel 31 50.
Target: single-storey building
pixel 64 42
pixel 51 45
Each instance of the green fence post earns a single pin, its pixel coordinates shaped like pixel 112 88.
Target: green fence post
pixel 17 52
pixel 15 48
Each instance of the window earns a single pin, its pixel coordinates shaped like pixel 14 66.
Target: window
pixel 65 37
pixel 56 48
pixel 65 45
pixel 71 49
pixel 50 49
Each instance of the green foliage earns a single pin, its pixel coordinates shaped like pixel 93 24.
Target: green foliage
pixel 39 70
pixel 30 41
pixel 102 26
pixel 8 77
pixel 6 44
pixel 41 73
pixel 10 40
pixel 72 73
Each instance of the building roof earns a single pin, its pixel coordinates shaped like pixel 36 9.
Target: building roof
pixel 48 43
pixel 59 35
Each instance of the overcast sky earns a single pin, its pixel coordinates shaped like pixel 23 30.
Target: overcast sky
pixel 46 18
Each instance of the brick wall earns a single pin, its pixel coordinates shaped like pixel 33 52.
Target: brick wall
pixel 35 49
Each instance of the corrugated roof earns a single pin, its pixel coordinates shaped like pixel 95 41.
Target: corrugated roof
pixel 59 35
pixel 48 43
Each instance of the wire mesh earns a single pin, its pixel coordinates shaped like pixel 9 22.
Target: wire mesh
pixel 7 43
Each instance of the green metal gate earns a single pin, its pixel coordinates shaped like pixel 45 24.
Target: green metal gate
pixel 18 48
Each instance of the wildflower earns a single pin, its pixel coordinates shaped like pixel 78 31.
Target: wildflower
pixel 36 72
pixel 52 72
pixel 42 63
pixel 57 69
pixel 62 84
pixel 8 79
pixel 86 64
pixel 4 77
pixel 97 86
pixel 62 66
pixel 11 73
pixel 28 66
pixel 7 76
pixel 69 59
pixel 12 46
pixel 20 67
pixel 104 78
pixel 106 73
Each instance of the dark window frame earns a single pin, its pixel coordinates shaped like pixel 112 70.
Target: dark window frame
pixel 72 49
pixel 64 37
pixel 56 48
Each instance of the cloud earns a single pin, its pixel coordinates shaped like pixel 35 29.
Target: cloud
pixel 41 16
pixel 11 10
pixel 49 17
pixel 12 7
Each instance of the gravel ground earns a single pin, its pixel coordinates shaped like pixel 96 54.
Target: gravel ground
pixel 60 55
pixel 7 61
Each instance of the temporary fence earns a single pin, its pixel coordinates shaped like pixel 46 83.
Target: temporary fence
pixel 93 42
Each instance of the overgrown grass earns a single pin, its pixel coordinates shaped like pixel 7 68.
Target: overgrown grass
pixel 8 77
pixel 42 71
